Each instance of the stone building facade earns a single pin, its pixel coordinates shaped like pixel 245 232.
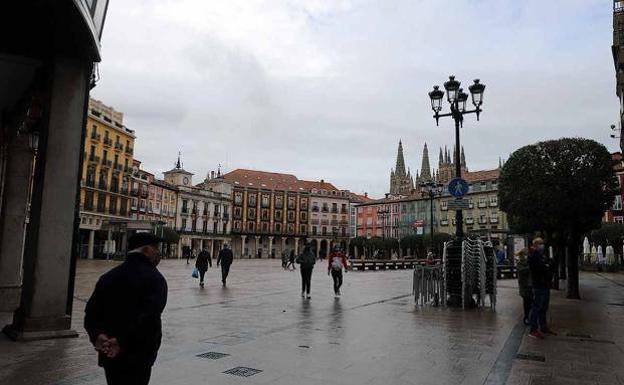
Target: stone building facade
pixel 106 176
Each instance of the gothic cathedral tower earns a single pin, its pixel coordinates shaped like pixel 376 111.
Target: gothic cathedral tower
pixel 401 182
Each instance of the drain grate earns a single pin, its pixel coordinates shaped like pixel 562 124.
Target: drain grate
pixel 304 346
pixel 578 335
pixel 242 371
pixel 598 341
pixel 530 357
pixel 212 355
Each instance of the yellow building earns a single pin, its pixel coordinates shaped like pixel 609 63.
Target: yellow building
pixel 106 176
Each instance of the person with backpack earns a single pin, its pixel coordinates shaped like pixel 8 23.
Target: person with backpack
pixel 541 278
pixel 306 260
pixel 201 263
pixel 336 263
pixel 524 284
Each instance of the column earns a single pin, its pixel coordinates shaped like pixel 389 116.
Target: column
pixel 49 258
pixel 328 250
pixel 243 239
pixel 355 252
pixel 13 220
pixel 283 244
pixel 296 246
pixel 318 248
pixel 257 246
pixel 91 244
pixel 270 246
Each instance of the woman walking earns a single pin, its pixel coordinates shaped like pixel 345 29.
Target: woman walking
pixel 337 262
pixel 306 260
pixel 291 260
pixel 201 263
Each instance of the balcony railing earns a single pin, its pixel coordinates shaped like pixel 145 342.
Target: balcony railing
pixel 334 210
pixel 94 159
pixel 118 167
pixel 493 204
pixel 469 221
pixel 106 163
pixel 95 137
pixel 493 220
pixel 444 222
pixel 118 146
pixel 325 210
pixel 129 150
pixel 108 142
pixel 315 209
pixel 134 192
pixel 482 204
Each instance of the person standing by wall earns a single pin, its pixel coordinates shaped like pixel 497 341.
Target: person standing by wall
pixel 541 278
pixel 122 316
pixel 306 260
pixel 336 263
pixel 524 284
pixel 201 263
pixel 225 259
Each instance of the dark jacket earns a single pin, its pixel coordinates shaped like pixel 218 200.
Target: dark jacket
pixel 540 270
pixel 203 260
pixel 524 279
pixel 126 304
pixel 225 257
pixel 307 259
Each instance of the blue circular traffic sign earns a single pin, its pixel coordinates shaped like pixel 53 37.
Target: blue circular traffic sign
pixel 458 187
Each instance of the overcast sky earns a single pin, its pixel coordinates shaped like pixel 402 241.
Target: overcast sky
pixel 325 89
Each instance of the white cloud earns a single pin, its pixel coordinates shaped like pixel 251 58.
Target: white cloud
pixel 324 89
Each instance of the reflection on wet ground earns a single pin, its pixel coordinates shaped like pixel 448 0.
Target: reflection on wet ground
pixel 374 334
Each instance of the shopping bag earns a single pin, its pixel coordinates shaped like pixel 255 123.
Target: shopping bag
pixel 195 273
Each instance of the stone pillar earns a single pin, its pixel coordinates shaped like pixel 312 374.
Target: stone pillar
pixel 318 248
pixel 328 250
pixel 243 239
pixel 91 244
pixel 13 220
pixel 270 246
pixel 283 244
pixel 296 246
pixel 180 248
pixel 47 289
pixel 257 246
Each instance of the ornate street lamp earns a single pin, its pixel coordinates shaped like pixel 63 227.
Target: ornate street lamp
pixel 457 99
pixel 383 214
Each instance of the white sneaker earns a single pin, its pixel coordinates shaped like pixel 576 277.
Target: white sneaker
pixel 302 295
pixel 309 296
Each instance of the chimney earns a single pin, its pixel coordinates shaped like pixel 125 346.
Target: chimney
pixel 366 194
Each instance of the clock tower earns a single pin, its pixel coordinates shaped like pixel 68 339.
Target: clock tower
pixel 179 176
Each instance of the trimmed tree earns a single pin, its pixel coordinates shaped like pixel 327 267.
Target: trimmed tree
pixel 558 186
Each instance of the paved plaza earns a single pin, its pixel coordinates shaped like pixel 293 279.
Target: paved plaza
pixel 374 334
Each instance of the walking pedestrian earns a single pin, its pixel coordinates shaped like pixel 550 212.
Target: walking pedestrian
pixel 306 260
pixel 225 258
pixel 284 260
pixel 336 263
pixel 524 284
pixel 291 260
pixel 201 263
pixel 541 277
pixel 122 317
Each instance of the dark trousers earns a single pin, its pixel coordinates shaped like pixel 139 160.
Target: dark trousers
pixel 201 275
pixel 527 303
pixel 128 376
pixel 337 276
pixel 225 270
pixel 541 300
pixel 306 279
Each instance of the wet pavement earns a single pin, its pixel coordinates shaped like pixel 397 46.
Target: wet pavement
pixel 374 334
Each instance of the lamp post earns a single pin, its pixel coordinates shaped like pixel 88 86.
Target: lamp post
pixel 383 214
pixel 457 99
pixel 431 189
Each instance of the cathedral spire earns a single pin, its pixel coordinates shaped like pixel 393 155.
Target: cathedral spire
pixel 425 169
pixel 441 160
pixel 399 169
pixel 178 164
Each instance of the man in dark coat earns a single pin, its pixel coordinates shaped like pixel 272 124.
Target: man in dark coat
pixel 225 258
pixel 541 276
pixel 201 263
pixel 122 316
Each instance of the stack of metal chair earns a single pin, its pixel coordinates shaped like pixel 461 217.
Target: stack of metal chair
pixel 452 264
pixel 429 285
pixel 490 272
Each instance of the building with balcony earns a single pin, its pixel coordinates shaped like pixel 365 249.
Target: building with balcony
pixel 617 49
pixel 202 211
pixel 328 216
pixel 483 215
pixel 139 192
pixel 106 177
pixel 616 212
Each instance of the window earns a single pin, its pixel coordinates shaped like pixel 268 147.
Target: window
pixel 265 227
pixel 291 216
pixel 237 212
pixel 265 200
pixel 304 216
pixel 265 215
pixel 493 200
pixel 292 203
pixel 101 203
pixel 302 230
pixel 251 199
pixel 278 228
pixel 313 230
pixel 251 214
pixel 617 203
pixel 279 202
pixel 618 219
pixel 88 205
pixel 184 206
pixel 123 207
pixel 334 208
pixel 482 202
pixel 183 224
